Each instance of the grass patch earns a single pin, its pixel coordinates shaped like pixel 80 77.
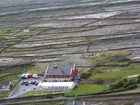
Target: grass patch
pixel 35 69
pixel 61 45
pixel 106 76
pixel 3 94
pixel 109 58
pixel 19 70
pixel 15 71
pixel 132 91
pixel 87 89
pixel 41 92
pixel 31 31
pixel 49 103
pixel 84 69
pixel 8 31
pixel 9 70
pixel 117 62
pixel 16 53
pixel 115 21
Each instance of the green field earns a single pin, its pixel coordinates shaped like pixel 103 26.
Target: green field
pixel 12 73
pixel 114 73
pixel 8 31
pixel 48 103
pixel 3 94
pixel 35 93
pixel 83 89
pixel 32 31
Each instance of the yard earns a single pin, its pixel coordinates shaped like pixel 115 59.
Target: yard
pixel 83 89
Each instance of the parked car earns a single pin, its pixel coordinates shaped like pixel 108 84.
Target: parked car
pixel 26 83
pixel 24 76
pixel 36 84
pixel 27 75
pixel 33 83
pixel 35 76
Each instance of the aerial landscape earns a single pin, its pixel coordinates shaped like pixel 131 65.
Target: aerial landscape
pixel 69 52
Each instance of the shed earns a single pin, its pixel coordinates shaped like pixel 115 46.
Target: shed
pixel 57 85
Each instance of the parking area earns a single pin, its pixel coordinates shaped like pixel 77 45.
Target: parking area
pixel 25 85
pixel 29 84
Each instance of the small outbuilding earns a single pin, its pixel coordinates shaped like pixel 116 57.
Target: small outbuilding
pixel 56 86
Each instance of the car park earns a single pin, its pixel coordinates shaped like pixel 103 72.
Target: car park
pixel 24 76
pixel 36 83
pixel 33 82
pixel 22 83
pixel 26 83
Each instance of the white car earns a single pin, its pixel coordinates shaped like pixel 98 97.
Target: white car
pixel 35 76
pixel 24 76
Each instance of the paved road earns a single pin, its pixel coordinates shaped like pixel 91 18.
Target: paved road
pixel 117 97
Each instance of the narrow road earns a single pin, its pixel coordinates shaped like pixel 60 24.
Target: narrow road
pixel 102 97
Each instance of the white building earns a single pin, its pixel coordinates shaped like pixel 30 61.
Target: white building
pixel 26 30
pixel 56 86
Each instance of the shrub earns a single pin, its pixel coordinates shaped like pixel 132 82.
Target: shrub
pixel 138 80
pixel 132 86
pixel 119 84
pixel 98 81
pixel 128 83
pixel 125 84
pixel 85 75
pixel 49 96
pixel 115 86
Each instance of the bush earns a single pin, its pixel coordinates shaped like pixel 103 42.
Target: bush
pixel 119 84
pixel 98 81
pixel 132 86
pixel 125 84
pixel 128 83
pixel 85 75
pixel 115 86
pixel 49 96
pixel 138 80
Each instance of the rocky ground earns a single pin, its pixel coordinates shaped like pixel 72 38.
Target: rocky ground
pixel 68 32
